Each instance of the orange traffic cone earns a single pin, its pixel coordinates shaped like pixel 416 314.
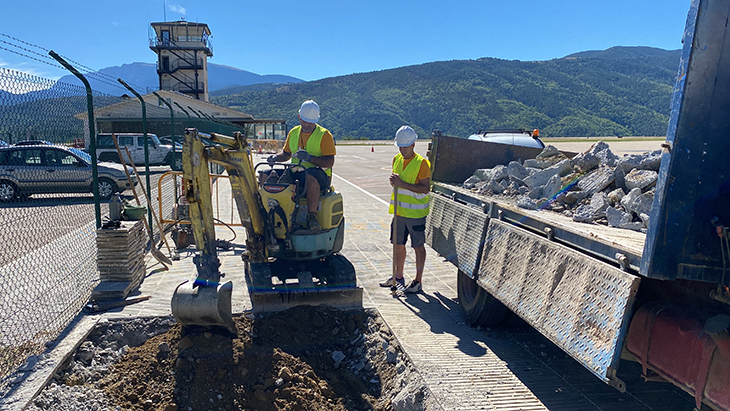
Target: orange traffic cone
pixel 372 149
pixel 260 151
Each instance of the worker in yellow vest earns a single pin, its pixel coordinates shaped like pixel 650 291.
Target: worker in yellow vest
pixel 314 148
pixel 411 176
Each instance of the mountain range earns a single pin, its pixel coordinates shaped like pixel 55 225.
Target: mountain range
pixel 143 76
pixel 621 91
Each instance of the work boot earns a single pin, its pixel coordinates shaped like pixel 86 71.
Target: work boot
pixel 313 224
pixel 414 287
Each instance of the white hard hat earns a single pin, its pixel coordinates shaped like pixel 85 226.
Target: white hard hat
pixel 405 136
pixel 309 111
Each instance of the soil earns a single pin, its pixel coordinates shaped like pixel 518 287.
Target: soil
pixel 305 358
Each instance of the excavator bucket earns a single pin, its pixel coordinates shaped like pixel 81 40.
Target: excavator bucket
pixel 204 304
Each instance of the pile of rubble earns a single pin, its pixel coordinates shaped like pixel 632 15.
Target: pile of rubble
pixel 592 187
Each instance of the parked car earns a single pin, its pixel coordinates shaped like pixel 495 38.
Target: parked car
pixel 33 143
pixel 159 154
pixel 26 170
pixel 515 137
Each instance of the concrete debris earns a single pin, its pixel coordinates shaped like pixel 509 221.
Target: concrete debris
pixel 591 187
pixel 596 180
pixel 616 217
pixel 526 203
pixel 541 178
pixel 640 179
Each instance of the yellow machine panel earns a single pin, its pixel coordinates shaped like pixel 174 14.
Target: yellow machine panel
pixel 330 210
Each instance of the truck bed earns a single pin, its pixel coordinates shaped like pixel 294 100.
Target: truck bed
pixel 598 240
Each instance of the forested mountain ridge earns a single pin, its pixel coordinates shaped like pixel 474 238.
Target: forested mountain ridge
pixel 619 91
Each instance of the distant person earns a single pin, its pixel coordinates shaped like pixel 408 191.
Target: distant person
pixel 314 148
pixel 411 176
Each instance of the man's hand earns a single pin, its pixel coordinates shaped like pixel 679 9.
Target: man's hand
pixel 395 180
pixel 302 155
pixel 272 159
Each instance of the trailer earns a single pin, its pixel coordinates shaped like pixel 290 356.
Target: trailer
pixel 660 298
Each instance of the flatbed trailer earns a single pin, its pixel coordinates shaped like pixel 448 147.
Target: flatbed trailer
pixel 601 294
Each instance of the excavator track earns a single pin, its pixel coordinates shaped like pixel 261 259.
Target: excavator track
pixel 280 285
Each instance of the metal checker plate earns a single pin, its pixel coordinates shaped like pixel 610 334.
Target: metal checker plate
pixel 579 303
pixel 455 231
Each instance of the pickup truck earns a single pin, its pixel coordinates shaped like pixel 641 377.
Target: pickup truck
pixel 601 293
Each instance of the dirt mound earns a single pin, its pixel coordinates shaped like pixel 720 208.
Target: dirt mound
pixel 305 358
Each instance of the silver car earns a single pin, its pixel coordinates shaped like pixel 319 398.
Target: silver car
pixel 26 170
pixel 513 137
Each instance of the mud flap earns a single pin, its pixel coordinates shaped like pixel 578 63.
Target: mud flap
pixel 578 302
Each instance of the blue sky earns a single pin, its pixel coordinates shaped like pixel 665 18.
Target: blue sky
pixel 324 38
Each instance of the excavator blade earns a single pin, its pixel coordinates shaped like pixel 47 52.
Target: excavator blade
pixel 339 289
pixel 206 305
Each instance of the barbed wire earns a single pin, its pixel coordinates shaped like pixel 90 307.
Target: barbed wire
pixel 94 74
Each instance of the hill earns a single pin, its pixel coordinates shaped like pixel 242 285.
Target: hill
pixel 619 91
pixel 144 76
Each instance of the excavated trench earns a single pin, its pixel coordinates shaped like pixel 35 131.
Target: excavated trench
pixel 305 358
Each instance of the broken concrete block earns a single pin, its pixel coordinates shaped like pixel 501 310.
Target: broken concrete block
pixel 517 170
pixel 583 214
pixel 499 173
pixel 616 195
pixel 552 187
pixel 585 162
pixel 596 180
pixel 471 181
pixel 527 203
pixel 572 197
pixel 617 217
pixel 607 157
pixel 599 204
pixel 636 226
pixel 651 161
pixel 638 203
pixel 492 187
pixel 542 177
pixel 548 151
pixel 640 179
pixel 644 219
pixel 619 178
pixel 535 193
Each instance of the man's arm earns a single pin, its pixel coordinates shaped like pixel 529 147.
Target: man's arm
pixel 422 186
pixel 323 162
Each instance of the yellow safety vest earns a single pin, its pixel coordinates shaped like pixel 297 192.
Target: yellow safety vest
pixel 314 146
pixel 410 204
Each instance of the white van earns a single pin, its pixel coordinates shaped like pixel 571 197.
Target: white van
pixel 159 154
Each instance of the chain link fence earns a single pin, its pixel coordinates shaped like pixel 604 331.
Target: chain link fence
pixel 47 217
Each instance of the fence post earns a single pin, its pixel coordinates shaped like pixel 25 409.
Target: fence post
pixel 92 134
pixel 146 149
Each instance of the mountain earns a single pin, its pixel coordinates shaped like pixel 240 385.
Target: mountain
pixel 619 91
pixel 143 76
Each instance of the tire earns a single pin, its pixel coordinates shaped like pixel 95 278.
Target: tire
pixel 107 188
pixel 477 305
pixel 109 157
pixel 177 166
pixel 8 191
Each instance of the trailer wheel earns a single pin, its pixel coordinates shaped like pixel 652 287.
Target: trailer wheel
pixel 477 305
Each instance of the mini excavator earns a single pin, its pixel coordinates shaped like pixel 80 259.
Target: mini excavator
pixel 285 263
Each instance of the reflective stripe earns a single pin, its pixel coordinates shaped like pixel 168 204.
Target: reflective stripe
pixel 417 196
pixel 410 206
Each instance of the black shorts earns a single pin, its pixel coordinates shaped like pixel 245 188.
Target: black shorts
pixel 414 227
pixel 322 178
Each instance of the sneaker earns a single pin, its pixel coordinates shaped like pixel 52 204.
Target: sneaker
pixel 399 282
pixel 313 224
pixel 413 287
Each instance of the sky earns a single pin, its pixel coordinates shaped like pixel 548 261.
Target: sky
pixel 315 39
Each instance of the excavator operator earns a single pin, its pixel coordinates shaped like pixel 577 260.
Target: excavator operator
pixel 314 149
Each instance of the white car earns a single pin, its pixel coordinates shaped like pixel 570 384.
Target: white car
pixel 159 154
pixel 514 137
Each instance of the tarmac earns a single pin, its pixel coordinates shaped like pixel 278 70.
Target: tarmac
pixel 464 368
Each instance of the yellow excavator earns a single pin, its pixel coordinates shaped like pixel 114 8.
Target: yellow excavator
pixel 286 264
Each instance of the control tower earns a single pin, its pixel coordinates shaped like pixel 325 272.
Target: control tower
pixel 182 51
